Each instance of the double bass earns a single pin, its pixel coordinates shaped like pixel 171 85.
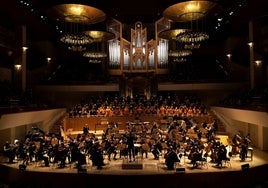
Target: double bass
pixel 236 144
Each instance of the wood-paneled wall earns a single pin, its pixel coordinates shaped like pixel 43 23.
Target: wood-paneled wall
pixel 100 122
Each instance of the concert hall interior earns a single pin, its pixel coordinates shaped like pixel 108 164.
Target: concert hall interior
pixel 134 93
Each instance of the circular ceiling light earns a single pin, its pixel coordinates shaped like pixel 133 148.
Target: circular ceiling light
pixel 76 13
pixel 188 10
pixel 100 36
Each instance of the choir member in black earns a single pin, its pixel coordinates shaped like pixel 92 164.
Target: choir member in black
pixel 9 152
pixel 171 158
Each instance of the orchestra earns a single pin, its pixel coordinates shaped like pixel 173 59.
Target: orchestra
pixel 140 138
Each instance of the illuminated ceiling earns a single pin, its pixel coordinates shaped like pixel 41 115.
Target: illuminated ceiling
pixel 228 24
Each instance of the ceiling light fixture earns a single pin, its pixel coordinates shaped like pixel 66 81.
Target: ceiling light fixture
pixel 180 53
pixel 192 14
pixel 191 46
pixel 76 39
pixel 76 48
pixel 180 60
pixel 95 55
pixel 95 52
pixel 75 18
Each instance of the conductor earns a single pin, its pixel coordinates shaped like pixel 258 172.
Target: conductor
pixel 130 146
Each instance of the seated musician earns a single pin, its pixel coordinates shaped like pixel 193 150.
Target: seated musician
pixel 111 149
pixel 40 155
pixel 54 140
pixel 9 152
pixel 236 143
pixel 144 148
pixel 196 156
pixel 60 155
pixel 170 158
pixel 22 153
pixel 97 155
pixel 156 149
pixel 221 155
pixel 79 156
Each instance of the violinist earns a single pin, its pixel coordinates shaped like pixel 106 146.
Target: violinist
pixel 122 146
pixel 111 149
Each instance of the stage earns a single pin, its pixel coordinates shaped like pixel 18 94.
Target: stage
pixel 145 172
pixel 148 165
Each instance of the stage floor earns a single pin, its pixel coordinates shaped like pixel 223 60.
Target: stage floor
pixel 149 165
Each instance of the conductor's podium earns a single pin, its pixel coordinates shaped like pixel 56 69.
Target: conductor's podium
pixel 137 164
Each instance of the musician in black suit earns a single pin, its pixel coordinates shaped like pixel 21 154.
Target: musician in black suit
pixel 157 149
pixel 222 155
pixel 85 130
pixel 130 146
pixel 97 155
pixel 60 155
pixel 171 158
pixel 196 156
pixel 244 147
pixel 9 152
pixel 111 149
pixel 40 154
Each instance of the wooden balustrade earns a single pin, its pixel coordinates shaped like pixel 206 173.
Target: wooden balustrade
pixel 100 122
